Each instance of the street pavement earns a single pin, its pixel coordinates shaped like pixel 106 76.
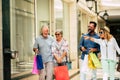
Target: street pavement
pixel 100 75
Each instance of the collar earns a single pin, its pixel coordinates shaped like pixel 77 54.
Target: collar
pixel 43 37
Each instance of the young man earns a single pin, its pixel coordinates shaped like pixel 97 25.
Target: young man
pixel 87 46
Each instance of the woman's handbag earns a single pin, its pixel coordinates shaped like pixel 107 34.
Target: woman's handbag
pixel 118 66
pixel 68 62
pixel 39 62
pixel 95 60
pixel 61 73
pixel 34 69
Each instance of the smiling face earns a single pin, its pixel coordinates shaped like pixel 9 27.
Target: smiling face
pixel 102 34
pixel 91 27
pixel 58 36
pixel 45 32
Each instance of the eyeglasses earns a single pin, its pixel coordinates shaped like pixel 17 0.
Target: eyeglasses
pixel 89 26
pixel 57 34
pixel 101 32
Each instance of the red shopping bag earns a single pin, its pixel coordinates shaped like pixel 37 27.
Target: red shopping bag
pixel 61 73
pixel 34 70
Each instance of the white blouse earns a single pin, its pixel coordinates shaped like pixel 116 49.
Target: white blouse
pixel 108 48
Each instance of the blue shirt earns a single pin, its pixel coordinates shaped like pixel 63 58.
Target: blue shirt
pixel 88 44
pixel 44 46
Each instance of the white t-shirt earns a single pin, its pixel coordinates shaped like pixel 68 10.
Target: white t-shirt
pixel 108 48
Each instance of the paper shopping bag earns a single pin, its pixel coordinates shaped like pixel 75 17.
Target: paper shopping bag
pixel 34 69
pixel 85 69
pixel 39 62
pixel 61 73
pixel 95 60
pixel 90 63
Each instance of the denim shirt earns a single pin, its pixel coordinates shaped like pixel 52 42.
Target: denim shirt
pixel 88 44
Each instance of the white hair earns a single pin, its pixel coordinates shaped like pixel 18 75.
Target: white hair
pixel 43 26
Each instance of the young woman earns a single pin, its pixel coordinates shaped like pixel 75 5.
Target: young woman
pixel 108 47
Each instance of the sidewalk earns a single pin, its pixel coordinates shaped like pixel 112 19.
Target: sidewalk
pixel 100 75
pixel 74 75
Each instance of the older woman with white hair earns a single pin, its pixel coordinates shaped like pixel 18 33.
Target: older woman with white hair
pixel 59 48
pixel 108 46
pixel 60 51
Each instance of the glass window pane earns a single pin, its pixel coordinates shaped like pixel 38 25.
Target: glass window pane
pixel 22 34
pixel 58 7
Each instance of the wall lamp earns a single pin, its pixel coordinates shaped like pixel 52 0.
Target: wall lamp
pixel 91 3
pixel 105 15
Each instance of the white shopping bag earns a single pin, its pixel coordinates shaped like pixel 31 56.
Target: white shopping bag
pixel 85 69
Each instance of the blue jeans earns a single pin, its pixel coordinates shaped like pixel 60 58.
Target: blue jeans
pixel 108 67
pixel 83 75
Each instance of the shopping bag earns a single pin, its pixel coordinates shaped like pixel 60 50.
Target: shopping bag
pixel 118 66
pixel 69 65
pixel 68 61
pixel 34 69
pixel 39 62
pixel 90 63
pixel 95 60
pixel 85 69
pixel 61 73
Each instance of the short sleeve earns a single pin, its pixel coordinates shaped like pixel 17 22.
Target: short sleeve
pixel 53 48
pixel 35 44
